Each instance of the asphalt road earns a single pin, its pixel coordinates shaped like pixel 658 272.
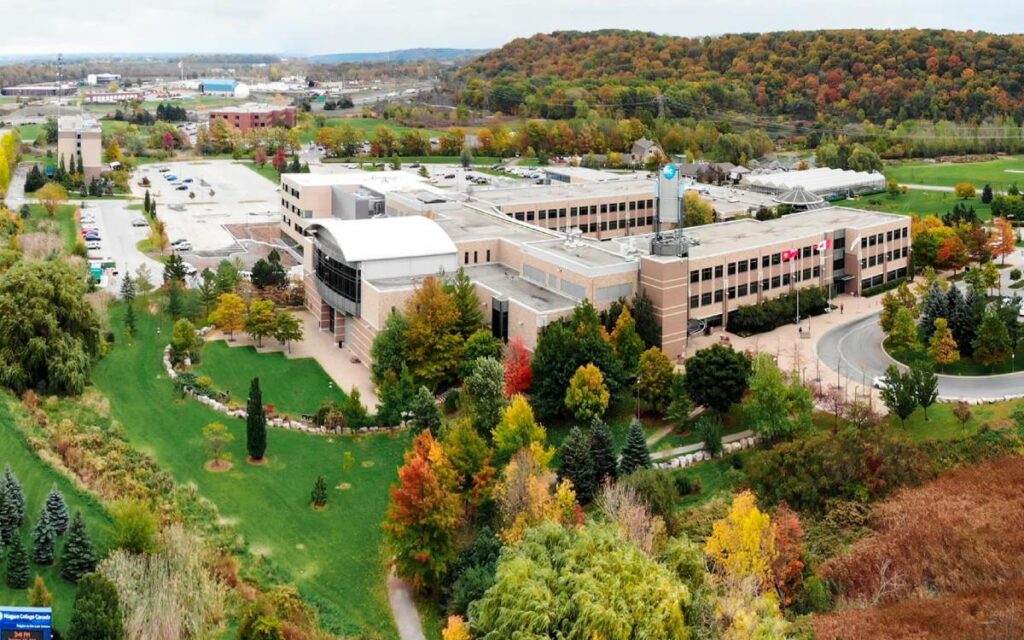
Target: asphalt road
pixel 855 351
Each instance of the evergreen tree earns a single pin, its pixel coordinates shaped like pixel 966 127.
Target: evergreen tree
pixel 72 169
pixel 78 556
pixel 959 317
pixel 935 305
pixel 646 321
pixel 43 538
pixel 146 202
pixel 463 295
pixel 256 422
pixel 425 412
pixel 39 595
pixel 18 575
pixel 576 464
pixel 15 494
pixel 992 346
pixel 974 311
pixel 35 180
pixel 319 495
pixel 634 453
pixel 8 518
pixel 128 288
pixel 986 194
pixel 602 453
pixel 97 612
pixel 174 302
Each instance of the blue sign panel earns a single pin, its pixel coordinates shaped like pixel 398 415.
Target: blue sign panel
pixel 25 623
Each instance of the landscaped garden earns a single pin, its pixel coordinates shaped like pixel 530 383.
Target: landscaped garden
pixel 333 555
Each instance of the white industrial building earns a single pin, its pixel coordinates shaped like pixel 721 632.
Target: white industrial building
pixel 830 184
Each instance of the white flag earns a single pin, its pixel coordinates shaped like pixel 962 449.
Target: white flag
pixel 180 62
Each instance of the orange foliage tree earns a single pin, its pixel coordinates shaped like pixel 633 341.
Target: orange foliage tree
pixel 518 372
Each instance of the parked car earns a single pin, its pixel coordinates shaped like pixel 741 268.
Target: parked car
pixel 187 180
pixel 163 169
pixel 190 269
pixel 181 187
pixel 879 382
pixel 93 245
pixel 184 246
pixel 139 222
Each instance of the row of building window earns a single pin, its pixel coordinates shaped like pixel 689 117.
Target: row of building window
pixel 707 273
pixel 871 261
pixel 613 207
pixel 743 289
pixel 867 283
pixel 872 240
pixel 476 254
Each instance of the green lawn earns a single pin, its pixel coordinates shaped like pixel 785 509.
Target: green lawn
pixel 365 126
pixel 267 171
pixel 716 478
pixel 38 219
pixel 915 203
pixel 334 556
pixel 293 386
pixel 30 132
pixel 36 478
pixel 963 367
pixel 999 173
pixel 942 425
pixel 481 160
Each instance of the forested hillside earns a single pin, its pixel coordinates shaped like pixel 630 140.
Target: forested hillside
pixel 849 74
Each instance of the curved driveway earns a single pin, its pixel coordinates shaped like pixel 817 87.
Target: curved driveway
pixel 855 351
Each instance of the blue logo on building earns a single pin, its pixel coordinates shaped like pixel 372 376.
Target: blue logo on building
pixel 669 172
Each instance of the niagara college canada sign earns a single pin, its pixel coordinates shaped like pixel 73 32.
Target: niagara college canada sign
pixel 26 623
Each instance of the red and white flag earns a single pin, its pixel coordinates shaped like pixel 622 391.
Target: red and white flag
pixel 790 254
pixel 823 246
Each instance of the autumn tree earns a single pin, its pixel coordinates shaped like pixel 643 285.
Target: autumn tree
pixel 229 316
pixel 788 566
pixel 432 338
pixel 964 190
pixel 52 195
pixel 627 342
pixel 942 348
pixel 654 382
pixel 1005 241
pixel 517 429
pixel 743 544
pixel 260 320
pixel 952 254
pixel 587 396
pixel 424 514
pixel 528 494
pixel 518 372
pixel 218 437
pixel 904 331
pixel 962 413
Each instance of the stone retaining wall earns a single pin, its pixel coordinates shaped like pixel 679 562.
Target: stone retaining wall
pixel 685 460
pixel 280 423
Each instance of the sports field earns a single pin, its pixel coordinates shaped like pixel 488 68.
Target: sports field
pixel 999 173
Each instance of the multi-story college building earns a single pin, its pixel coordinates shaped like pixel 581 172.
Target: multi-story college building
pixel 82 139
pixel 361 263
pixel 255 116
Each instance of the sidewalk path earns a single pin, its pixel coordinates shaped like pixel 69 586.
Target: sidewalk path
pixel 403 607
pixel 699 446
pixel 928 187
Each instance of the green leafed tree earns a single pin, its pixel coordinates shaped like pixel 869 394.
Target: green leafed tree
pixel 483 394
pixel 425 412
pixel 389 347
pixel 904 330
pixel 926 386
pixel 717 377
pixel 481 344
pixel 899 393
pixel 992 346
pixel 97 611
pixel 587 396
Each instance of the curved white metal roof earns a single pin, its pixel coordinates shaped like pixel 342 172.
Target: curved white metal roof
pixel 385 238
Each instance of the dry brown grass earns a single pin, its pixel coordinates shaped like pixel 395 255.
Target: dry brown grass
pixel 945 560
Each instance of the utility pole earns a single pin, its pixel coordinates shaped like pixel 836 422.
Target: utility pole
pixel 60 83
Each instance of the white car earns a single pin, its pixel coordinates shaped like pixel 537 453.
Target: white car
pixel 93 245
pixel 190 269
pixel 139 222
pixel 879 382
pixel 182 246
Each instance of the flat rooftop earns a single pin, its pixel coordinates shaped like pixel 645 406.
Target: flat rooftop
pixel 250 107
pixel 555 192
pixel 726 237
pixel 586 174
pixel 507 282
pixel 380 181
pixel 77 123
pixel 464 223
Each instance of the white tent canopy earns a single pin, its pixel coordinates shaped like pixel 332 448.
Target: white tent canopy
pixel 824 182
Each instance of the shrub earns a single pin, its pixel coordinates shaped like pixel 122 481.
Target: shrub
pixel 451 402
pixel 768 315
pixel 135 527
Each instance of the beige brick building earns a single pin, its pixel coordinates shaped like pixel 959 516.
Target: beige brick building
pixel 82 139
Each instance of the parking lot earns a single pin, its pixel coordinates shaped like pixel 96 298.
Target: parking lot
pixel 197 199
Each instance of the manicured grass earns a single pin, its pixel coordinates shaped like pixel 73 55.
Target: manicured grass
pixel 39 218
pixel 998 173
pixel 36 478
pixel 293 386
pixel 333 556
pixel 267 171
pixel 964 367
pixel 943 425
pixel 30 132
pixel 366 127
pixel 915 203
pixel 716 478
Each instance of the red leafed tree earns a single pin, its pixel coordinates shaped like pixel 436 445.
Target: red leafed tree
pixel 424 514
pixel 280 159
pixel 260 157
pixel 169 141
pixel 952 254
pixel 518 372
pixel 788 567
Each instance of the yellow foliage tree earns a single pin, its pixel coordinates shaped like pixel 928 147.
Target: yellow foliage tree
pixel 587 396
pixel 743 543
pixel 696 211
pixel 527 494
pixel 456 629
pixel 52 195
pixel 433 344
pixel 943 348
pixel 964 190
pixel 518 428
pixel 229 316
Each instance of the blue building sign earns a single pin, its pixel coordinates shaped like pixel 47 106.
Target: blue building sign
pixel 26 623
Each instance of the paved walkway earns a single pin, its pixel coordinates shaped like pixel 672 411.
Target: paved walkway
pixel 403 607
pixel 928 187
pixel 698 446
pixel 319 345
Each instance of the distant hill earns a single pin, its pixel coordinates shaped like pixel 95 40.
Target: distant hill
pixel 400 55
pixel 851 74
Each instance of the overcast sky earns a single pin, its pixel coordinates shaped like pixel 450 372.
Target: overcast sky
pixel 332 26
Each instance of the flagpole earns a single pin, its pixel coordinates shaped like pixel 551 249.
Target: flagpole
pixel 792 275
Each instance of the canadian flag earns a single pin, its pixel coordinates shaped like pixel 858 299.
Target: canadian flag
pixel 788 254
pixel 823 246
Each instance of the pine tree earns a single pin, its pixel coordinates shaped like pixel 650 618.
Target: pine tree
pixel 17 565
pixel 634 453
pixel 992 346
pixel 986 194
pixel 256 422
pixel 935 306
pixel 463 296
pixel 15 494
pixel 78 557
pixel 319 495
pixel 602 452
pixel 57 511
pixel 146 202
pixel 576 465
pixel 8 518
pixel 174 301
pixel 959 318
pixel 43 538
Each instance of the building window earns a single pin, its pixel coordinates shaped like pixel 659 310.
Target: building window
pixel 807 274
pixel 465 260
pixel 718 295
pixel 753 264
pixel 705 273
pixel 718 271
pixel 765 285
pixel 785 280
pixel 742 290
pixel 337 276
pixel 732 269
pixel 743 266
pixel 572 211
pixel 694 302
pixel 863 263
pixel 776 258
pixel 705 299
pixel 765 260
pixel 488 255
pixel 839 243
pixel 694 276
pixel 604 208
pixel 775 282
pixel 731 292
pixel 807 252
pixel 474 258
pixel 753 287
